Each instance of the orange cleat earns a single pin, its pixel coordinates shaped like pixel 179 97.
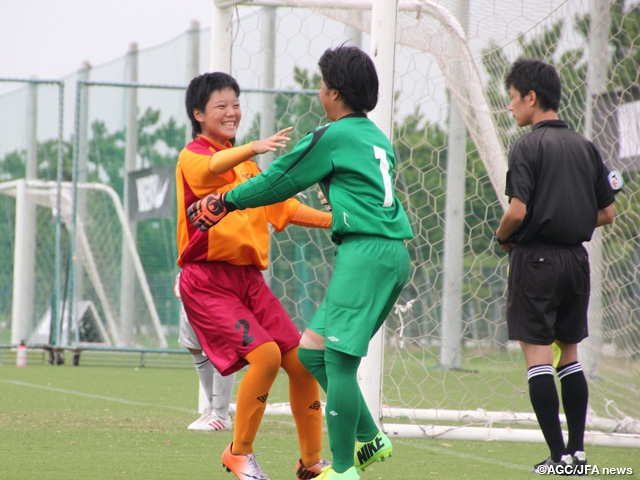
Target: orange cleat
pixel 244 467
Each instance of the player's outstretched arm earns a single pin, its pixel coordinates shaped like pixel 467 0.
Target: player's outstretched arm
pixel 287 175
pixel 306 216
pixel 224 160
pixel 271 144
pixel 309 162
pixel 209 210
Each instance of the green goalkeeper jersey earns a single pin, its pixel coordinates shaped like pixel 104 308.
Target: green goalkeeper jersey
pixel 353 162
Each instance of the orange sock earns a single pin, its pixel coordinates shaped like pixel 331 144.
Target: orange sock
pixel 304 396
pixel 251 402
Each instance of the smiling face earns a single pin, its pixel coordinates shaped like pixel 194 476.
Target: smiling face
pixel 221 116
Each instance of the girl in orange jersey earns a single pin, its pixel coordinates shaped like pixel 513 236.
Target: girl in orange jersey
pixel 236 317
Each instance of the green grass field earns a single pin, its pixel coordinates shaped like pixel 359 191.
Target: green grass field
pixel 110 418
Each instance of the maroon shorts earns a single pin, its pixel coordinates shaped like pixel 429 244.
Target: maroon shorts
pixel 233 311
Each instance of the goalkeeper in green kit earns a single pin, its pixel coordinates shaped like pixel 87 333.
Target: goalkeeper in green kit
pixel 352 161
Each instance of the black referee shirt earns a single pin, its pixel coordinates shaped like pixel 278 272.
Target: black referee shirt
pixel 561 178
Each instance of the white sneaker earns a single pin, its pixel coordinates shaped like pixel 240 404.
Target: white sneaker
pixel 212 423
pixel 197 425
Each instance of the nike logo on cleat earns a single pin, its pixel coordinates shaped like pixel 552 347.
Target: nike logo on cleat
pixel 368 450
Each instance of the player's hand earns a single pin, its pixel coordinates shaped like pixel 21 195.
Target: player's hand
pixel 279 140
pixel 209 210
pixel 324 201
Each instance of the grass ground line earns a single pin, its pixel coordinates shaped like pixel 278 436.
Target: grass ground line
pixel 98 397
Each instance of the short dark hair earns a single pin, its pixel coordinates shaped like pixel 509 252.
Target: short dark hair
pixel 529 74
pixel 199 91
pixel 351 72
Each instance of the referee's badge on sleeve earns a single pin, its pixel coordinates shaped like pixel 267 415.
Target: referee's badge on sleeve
pixel 615 180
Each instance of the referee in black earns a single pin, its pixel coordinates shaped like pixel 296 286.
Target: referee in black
pixel 559 191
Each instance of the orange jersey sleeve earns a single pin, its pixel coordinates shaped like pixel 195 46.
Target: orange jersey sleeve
pixel 306 216
pixel 243 237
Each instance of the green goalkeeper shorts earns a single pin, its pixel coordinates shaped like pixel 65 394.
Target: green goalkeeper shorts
pixel 369 274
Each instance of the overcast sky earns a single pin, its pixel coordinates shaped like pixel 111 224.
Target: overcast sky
pixel 51 38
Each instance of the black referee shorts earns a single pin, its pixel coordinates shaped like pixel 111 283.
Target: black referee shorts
pixel 548 293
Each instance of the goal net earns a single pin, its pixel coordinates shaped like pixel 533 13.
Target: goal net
pixel 450 102
pixel 81 259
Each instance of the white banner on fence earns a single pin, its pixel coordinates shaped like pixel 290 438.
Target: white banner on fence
pixel 153 193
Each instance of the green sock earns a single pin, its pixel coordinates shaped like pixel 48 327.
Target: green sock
pixel 314 361
pixel 343 407
pixel 367 427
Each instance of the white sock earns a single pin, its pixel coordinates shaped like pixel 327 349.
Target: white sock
pixel 205 371
pixel 222 390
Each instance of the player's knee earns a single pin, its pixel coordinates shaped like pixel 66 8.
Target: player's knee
pixel 267 357
pixel 312 340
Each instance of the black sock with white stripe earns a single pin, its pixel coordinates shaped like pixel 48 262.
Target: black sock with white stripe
pixel 575 398
pixel 546 405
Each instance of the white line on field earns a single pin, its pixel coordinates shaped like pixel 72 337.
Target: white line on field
pixel 99 397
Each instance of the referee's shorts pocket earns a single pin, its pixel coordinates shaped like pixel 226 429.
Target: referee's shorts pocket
pixel 540 277
pixel 582 275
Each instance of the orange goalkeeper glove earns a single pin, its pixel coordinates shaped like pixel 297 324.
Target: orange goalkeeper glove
pixel 209 210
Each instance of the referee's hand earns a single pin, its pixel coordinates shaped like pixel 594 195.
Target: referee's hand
pixel 504 245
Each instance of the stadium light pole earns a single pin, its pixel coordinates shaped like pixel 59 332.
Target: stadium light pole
pixel 268 113
pixel 127 290
pixel 193 62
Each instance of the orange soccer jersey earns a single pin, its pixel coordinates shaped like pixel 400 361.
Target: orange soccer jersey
pixel 243 237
